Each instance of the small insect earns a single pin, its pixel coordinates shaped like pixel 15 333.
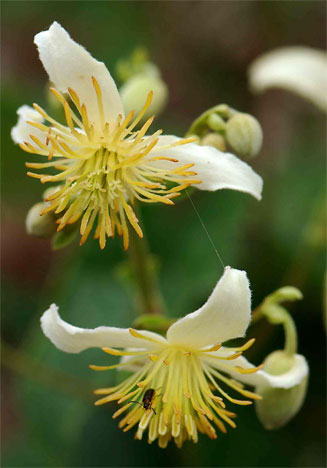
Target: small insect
pixel 148 398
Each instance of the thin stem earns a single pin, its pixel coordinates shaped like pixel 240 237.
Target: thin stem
pixel 290 334
pixel 277 315
pixel 145 275
pixel 257 314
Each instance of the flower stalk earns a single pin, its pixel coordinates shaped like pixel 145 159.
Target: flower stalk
pixel 284 392
pixel 276 314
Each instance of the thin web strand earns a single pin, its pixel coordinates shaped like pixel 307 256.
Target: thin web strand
pixel 205 229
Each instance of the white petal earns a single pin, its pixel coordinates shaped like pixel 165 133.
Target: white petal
pixel 69 65
pixel 282 395
pixel 216 170
pixel 289 379
pixel 224 316
pixel 22 130
pixel 293 377
pixel 254 379
pixel 136 364
pixel 74 339
pixel 299 69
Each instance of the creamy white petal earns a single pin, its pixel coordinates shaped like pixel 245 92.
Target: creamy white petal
pixel 72 339
pixel 254 379
pixel 69 65
pixel 289 379
pixel 216 170
pixel 133 363
pixel 293 377
pixel 224 316
pixel 22 130
pixel 284 394
pixel 299 69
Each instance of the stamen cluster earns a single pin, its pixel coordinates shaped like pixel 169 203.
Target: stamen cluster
pixel 103 168
pixel 187 397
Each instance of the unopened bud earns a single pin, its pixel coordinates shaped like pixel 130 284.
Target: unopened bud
pixel 216 123
pixel 40 226
pixel 244 135
pixel 214 139
pixel 135 92
pixel 284 395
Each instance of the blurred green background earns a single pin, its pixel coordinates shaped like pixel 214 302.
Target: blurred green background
pixel 203 50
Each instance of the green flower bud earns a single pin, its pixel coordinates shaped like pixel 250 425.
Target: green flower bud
pixel 244 135
pixel 216 123
pixel 40 226
pixel 284 395
pixel 135 91
pixel 214 139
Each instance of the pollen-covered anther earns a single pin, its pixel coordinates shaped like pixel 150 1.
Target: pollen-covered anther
pixel 104 167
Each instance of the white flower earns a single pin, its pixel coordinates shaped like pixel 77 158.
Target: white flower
pixel 103 162
pixel 192 369
pixel 299 69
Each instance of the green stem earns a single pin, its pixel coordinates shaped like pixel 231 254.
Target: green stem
pixel 277 315
pixel 290 334
pixel 145 275
pixel 257 314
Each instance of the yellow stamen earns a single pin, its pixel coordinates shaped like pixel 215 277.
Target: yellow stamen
pixel 99 99
pixel 136 334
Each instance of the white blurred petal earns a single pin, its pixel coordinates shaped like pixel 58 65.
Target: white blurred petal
pixel 72 339
pixel 216 170
pixel 22 130
pixel 299 69
pixel 134 366
pixel 224 316
pixel 70 65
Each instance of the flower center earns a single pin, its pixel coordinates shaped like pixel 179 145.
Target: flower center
pixel 174 393
pixel 104 168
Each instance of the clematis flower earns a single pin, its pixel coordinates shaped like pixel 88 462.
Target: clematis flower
pixel 103 162
pixel 299 69
pixel 190 370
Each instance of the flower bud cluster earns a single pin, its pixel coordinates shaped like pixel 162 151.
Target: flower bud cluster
pixel 227 129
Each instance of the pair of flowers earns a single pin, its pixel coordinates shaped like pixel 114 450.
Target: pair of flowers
pixel 103 165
